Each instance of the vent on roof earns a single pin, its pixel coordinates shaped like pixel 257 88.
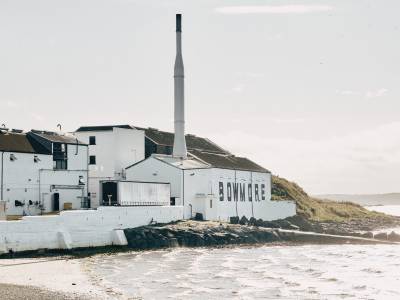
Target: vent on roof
pixel 17 130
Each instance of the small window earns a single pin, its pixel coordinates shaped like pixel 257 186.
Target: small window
pixel 60 164
pixel 92 140
pixel 92 160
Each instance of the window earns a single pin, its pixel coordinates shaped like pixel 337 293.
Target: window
pixel 92 160
pixel 36 158
pixel 60 164
pixel 92 140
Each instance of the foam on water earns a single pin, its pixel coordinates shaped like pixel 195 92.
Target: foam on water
pixel 270 272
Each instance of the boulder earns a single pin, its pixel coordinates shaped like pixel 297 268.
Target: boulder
pixel 368 235
pixel 259 223
pixel 285 224
pixel 244 221
pixel 252 221
pixel 270 224
pixel 234 220
pixel 394 237
pixel 381 236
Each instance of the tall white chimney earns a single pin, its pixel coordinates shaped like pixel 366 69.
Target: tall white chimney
pixel 179 150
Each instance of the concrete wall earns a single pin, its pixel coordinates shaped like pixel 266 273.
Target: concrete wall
pixel 114 150
pixel 25 180
pixel 82 228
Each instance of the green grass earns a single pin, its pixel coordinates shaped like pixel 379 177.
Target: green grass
pixel 316 209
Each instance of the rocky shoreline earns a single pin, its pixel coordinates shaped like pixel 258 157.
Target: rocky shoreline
pixel 192 233
pixel 243 231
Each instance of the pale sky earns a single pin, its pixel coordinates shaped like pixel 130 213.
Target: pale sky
pixel 308 89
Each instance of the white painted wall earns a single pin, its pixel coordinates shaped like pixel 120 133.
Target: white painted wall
pixel 114 150
pixel 81 228
pixel 154 170
pixel 26 180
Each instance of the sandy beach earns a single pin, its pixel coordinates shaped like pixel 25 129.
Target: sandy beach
pixel 49 278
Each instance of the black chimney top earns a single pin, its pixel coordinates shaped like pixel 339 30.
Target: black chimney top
pixel 178 23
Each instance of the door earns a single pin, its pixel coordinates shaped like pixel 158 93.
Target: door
pixel 109 194
pixel 56 202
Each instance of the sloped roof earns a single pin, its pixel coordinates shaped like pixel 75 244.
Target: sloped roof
pixel 227 161
pixel 102 128
pixel 19 142
pixel 57 138
pixel 190 163
pixel 192 142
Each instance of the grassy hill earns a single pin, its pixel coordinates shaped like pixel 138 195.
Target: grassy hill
pixel 319 210
pixel 368 199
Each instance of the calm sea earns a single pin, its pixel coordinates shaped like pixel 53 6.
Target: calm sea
pixel 268 272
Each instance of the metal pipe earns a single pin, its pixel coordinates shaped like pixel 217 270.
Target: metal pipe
pixel 179 149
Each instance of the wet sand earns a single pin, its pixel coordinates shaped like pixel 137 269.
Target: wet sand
pixel 47 278
pixel 17 292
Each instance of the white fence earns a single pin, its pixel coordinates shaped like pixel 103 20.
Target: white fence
pixel 81 228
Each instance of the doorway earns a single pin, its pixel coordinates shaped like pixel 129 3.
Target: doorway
pixel 56 202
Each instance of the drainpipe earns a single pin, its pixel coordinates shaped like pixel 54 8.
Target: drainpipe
pixel 2 175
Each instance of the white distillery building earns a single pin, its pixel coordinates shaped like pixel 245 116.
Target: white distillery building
pixel 204 178
pixel 42 172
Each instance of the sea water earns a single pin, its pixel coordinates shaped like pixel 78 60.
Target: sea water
pixel 266 272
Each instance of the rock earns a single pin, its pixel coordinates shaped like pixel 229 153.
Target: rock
pixel 270 224
pixel 285 224
pixel 368 235
pixel 173 242
pixel 302 223
pixel 259 223
pixel 199 217
pixel 393 236
pixel 293 227
pixel 252 221
pixel 381 236
pixel 244 221
pixel 234 220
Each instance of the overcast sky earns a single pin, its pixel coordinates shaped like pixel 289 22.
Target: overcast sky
pixel 308 89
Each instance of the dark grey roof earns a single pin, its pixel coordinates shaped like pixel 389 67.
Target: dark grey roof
pixel 102 128
pixel 19 142
pixel 57 138
pixel 192 142
pixel 227 161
